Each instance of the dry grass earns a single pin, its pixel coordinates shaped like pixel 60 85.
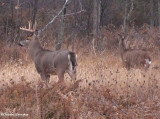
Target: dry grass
pixel 105 90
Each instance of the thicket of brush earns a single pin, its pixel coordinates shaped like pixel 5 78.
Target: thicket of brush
pixel 104 88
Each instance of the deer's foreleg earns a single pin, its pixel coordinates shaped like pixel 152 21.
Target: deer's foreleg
pixel 45 77
pixel 60 76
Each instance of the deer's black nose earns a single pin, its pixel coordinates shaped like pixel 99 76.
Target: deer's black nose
pixel 20 44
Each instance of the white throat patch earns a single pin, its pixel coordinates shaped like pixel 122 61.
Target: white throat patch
pixel 147 61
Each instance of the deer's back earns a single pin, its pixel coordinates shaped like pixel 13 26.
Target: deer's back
pixel 48 61
pixel 135 54
pixel 135 57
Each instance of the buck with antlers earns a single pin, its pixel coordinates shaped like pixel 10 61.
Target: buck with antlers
pixel 133 57
pixel 49 62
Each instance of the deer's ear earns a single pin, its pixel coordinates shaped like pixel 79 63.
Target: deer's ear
pixel 36 32
pixel 120 36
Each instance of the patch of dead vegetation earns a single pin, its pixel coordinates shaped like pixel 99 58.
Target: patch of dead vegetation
pixel 104 89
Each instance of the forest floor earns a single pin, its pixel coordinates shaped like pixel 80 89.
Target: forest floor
pixel 104 90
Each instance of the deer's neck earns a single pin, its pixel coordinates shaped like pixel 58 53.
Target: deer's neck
pixel 121 48
pixel 34 48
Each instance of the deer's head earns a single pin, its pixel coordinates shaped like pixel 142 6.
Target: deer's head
pixel 31 37
pixel 122 37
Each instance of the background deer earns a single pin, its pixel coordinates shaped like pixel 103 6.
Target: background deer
pixel 133 57
pixel 49 62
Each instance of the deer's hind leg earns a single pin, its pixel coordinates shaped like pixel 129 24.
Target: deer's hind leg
pixel 45 77
pixel 60 83
pixel 126 65
pixel 72 74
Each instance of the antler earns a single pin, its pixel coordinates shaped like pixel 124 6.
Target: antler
pixel 29 27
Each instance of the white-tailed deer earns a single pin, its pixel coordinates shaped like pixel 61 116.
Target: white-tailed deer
pixel 133 57
pixel 49 62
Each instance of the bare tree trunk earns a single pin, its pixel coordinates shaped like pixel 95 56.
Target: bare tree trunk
pixel 151 12
pixel 125 17
pixel 61 30
pixel 34 12
pixel 96 18
pixel 104 5
pixel 6 31
pixel 159 14
pixel 12 27
pixel 17 21
pixel 96 22
pixel 75 24
pixel 12 9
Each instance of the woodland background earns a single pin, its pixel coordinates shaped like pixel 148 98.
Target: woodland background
pixel 92 19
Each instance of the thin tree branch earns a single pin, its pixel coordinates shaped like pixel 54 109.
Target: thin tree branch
pixel 80 4
pixel 45 27
pixel 130 11
pixel 73 13
pixel 93 45
pixel 127 15
pixel 53 19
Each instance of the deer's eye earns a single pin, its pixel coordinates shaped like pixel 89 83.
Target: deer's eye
pixel 28 38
